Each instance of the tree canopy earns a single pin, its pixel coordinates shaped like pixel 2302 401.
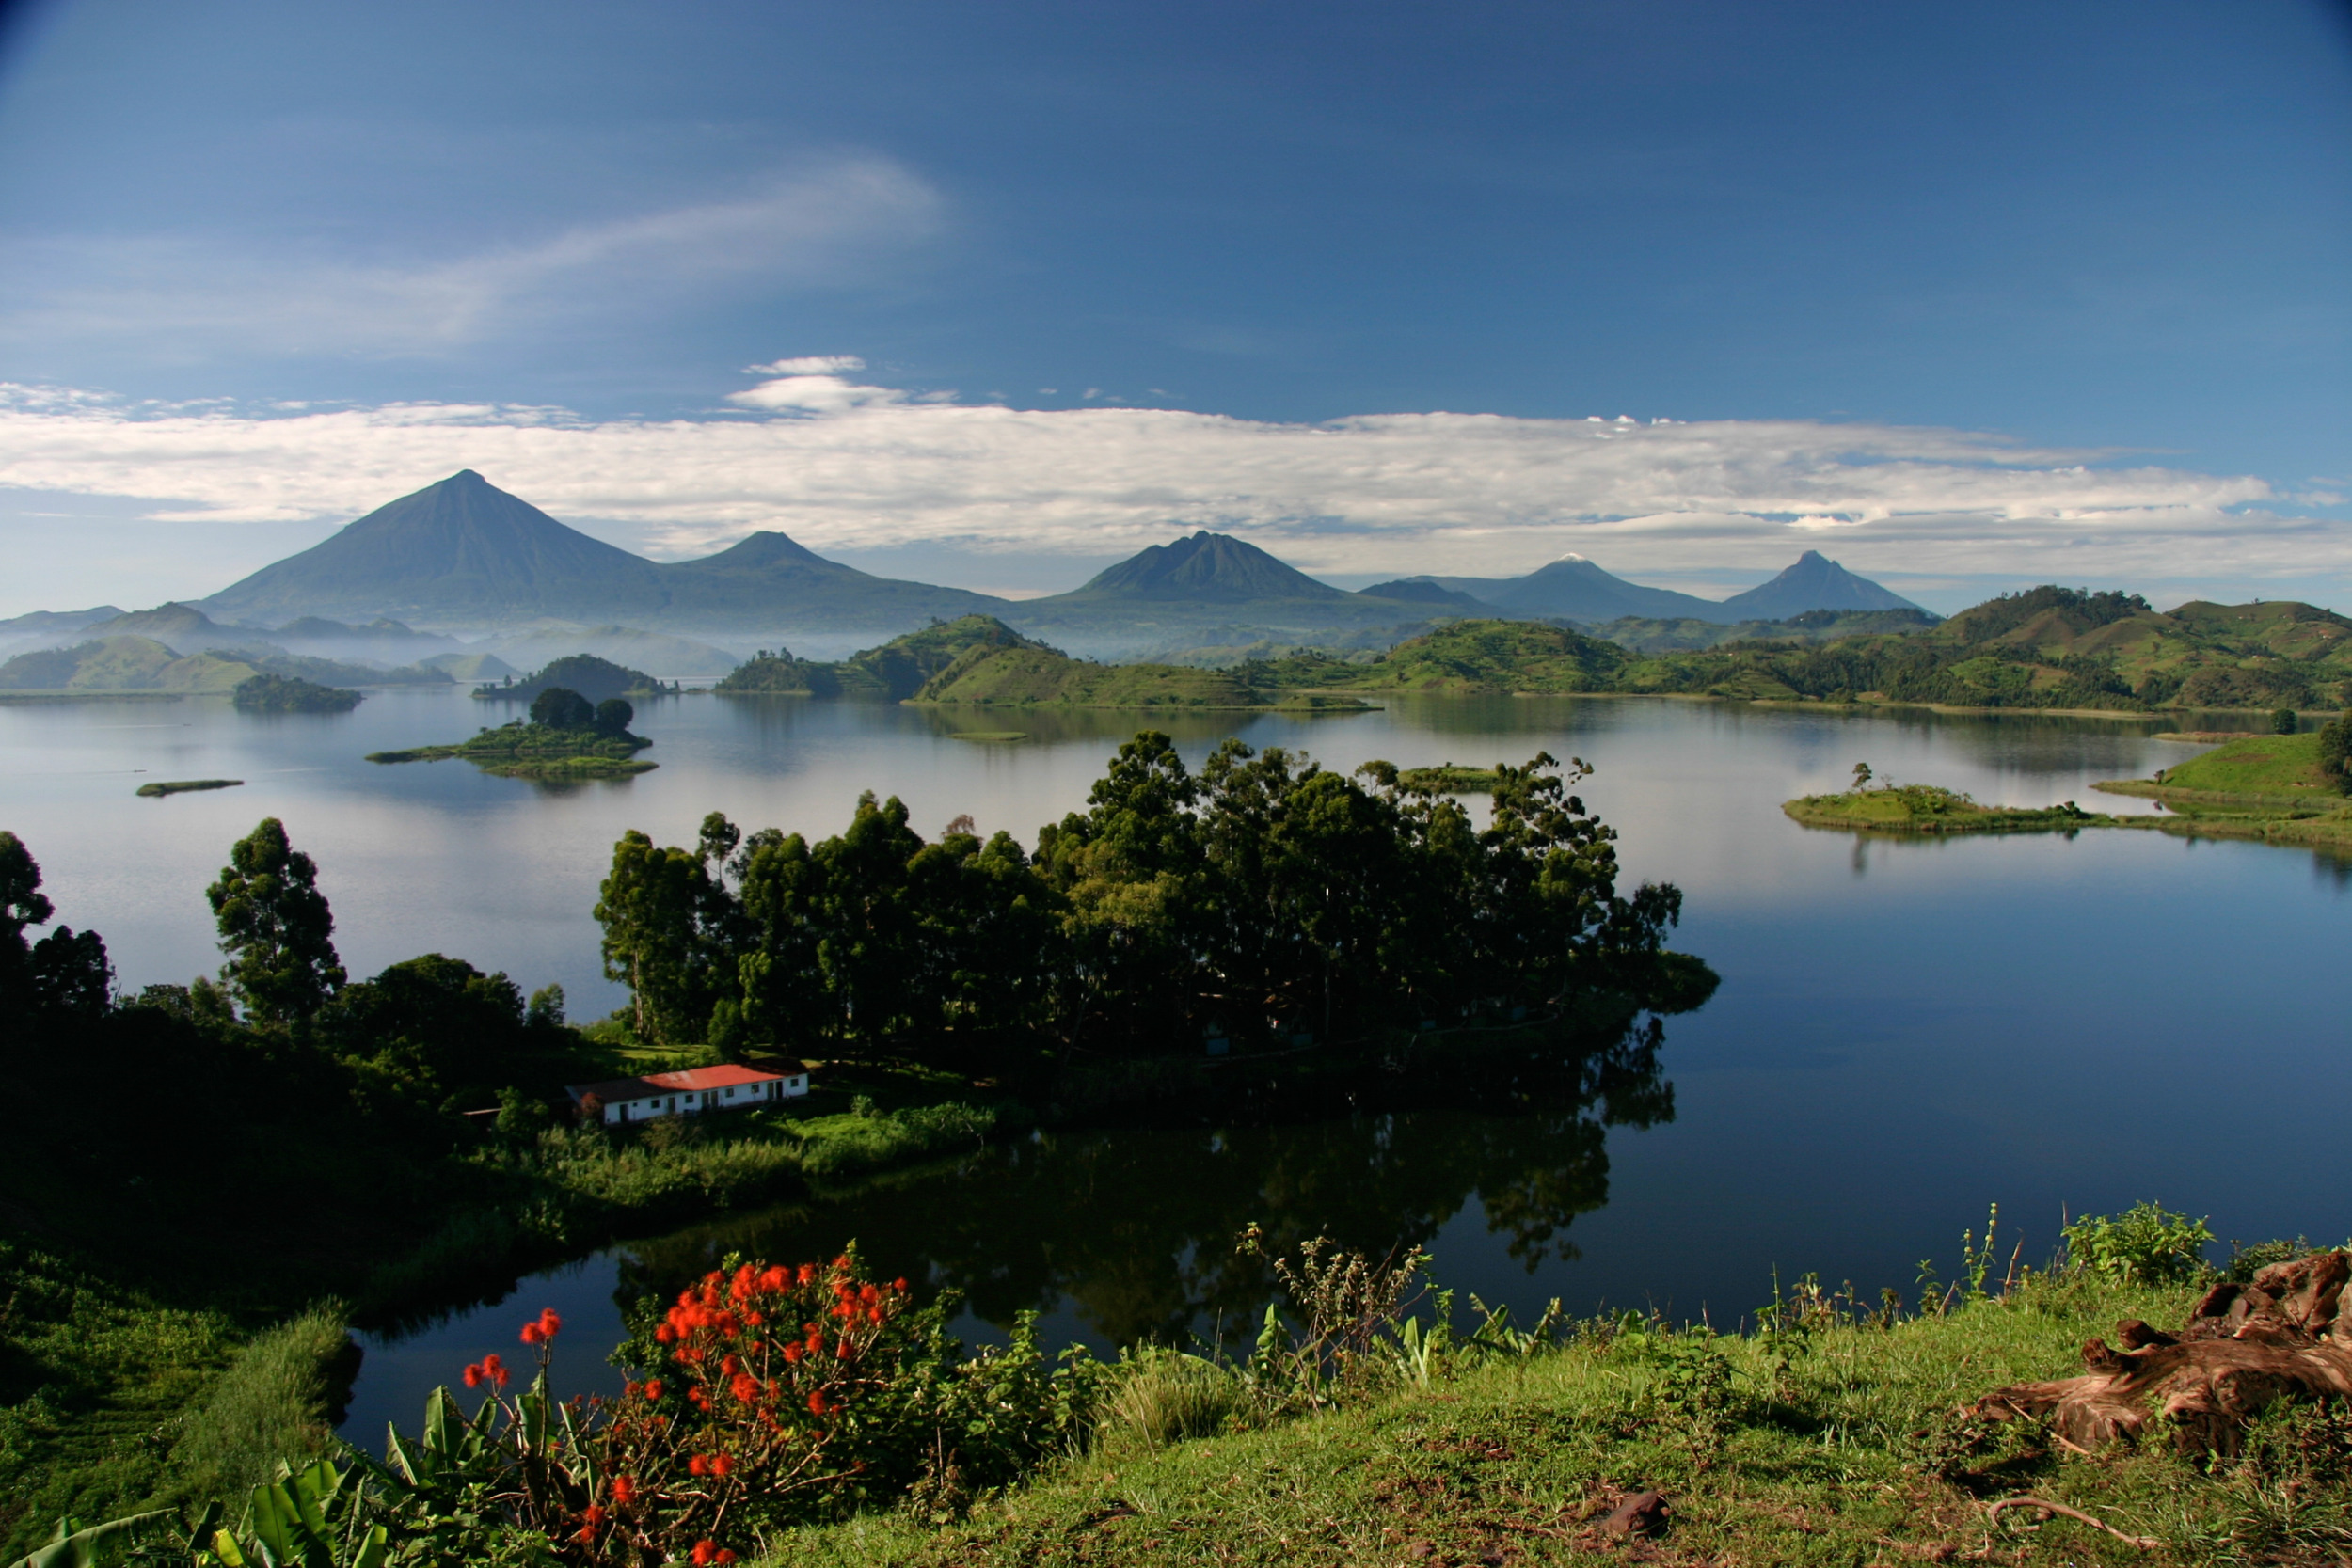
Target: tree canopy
pixel 1262 899
pixel 276 927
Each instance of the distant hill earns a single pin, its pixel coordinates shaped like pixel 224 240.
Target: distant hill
pixel 1166 594
pixel 591 678
pixel 182 627
pixel 1574 589
pixel 894 672
pixel 463 551
pixel 1645 636
pixel 461 547
pixel 1206 568
pixel 133 664
pixel 768 580
pixel 1427 590
pixel 1815 582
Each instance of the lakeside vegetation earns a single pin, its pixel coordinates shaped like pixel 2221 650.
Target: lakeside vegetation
pixel 564 737
pixel 312 1126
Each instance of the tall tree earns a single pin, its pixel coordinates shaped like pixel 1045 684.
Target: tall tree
pixel 21 900
pixel 276 927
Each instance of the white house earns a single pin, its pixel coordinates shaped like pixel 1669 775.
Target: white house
pixel 690 1093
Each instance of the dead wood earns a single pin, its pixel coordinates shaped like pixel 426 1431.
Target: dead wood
pixel 1993 1515
pixel 2286 1334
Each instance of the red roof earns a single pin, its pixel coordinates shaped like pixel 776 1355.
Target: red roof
pixel 692 1080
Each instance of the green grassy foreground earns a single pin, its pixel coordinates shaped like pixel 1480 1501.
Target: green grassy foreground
pixel 1929 809
pixel 1838 1444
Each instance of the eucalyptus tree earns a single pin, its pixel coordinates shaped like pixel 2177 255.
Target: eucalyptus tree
pixel 276 927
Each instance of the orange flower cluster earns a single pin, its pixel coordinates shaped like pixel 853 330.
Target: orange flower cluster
pixel 769 1361
pixel 542 1327
pixel 488 1370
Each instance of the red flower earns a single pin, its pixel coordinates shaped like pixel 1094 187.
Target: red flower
pixel 665 1334
pixel 697 1466
pixel 531 1334
pixel 900 1286
pixel 653 1388
pixel 817 1401
pixel 624 1489
pixel 474 1375
pixel 721 1464
pixel 808 1273
pixel 724 1558
pixel 549 1323
pixel 792 1351
pixel 706 1552
pixel 746 1387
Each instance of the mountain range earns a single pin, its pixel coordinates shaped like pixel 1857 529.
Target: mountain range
pixel 464 555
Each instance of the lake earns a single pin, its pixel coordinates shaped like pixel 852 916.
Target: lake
pixel 1906 1032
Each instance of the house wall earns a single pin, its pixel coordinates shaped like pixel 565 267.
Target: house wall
pixel 695 1101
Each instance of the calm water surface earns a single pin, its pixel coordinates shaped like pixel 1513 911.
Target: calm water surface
pixel 1905 1032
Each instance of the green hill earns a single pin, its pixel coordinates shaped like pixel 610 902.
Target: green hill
pixel 1475 657
pixel 591 678
pixel 122 664
pixel 894 672
pixel 2047 647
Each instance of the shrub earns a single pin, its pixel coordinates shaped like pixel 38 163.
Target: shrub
pixel 1159 1396
pixel 2144 1245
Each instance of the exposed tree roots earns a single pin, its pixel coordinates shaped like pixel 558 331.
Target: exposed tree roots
pixel 2288 1336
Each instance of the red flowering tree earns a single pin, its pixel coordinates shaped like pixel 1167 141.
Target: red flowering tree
pixel 763 1395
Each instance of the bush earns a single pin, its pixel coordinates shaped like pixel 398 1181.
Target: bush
pixel 2145 1244
pixel 271 1403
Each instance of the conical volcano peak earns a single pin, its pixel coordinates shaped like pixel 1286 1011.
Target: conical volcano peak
pixel 1206 568
pixel 1813 582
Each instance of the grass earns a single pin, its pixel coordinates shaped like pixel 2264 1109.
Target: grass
pixel 1840 1446
pixel 2260 770
pixel 2266 787
pixel 179 787
pixel 112 1400
pixel 1927 809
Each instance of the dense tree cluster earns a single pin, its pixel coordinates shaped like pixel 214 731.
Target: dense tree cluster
pixel 1261 899
pixel 2335 752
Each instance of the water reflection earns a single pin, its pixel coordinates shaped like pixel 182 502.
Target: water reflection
pixel 1133 1228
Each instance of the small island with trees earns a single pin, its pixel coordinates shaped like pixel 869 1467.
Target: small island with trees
pixel 567 737
pixel 291 694
pixel 1876 805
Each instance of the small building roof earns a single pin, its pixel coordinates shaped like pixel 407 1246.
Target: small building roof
pixel 690 1080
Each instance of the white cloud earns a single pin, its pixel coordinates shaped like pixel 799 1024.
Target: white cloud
pixel 809 364
pixel 181 296
pixel 845 466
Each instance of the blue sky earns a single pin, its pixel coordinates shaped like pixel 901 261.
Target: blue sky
pixel 1897 272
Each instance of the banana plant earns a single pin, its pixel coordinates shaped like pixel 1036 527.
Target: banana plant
pixel 292 1524
pixel 77 1546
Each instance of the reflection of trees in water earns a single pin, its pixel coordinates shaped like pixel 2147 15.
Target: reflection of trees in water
pixel 1135 1227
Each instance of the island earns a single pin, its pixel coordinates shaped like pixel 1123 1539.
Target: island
pixel 267 693
pixel 180 786
pixel 566 737
pixel 1930 809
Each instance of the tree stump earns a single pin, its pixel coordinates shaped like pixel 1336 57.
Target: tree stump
pixel 2288 1335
